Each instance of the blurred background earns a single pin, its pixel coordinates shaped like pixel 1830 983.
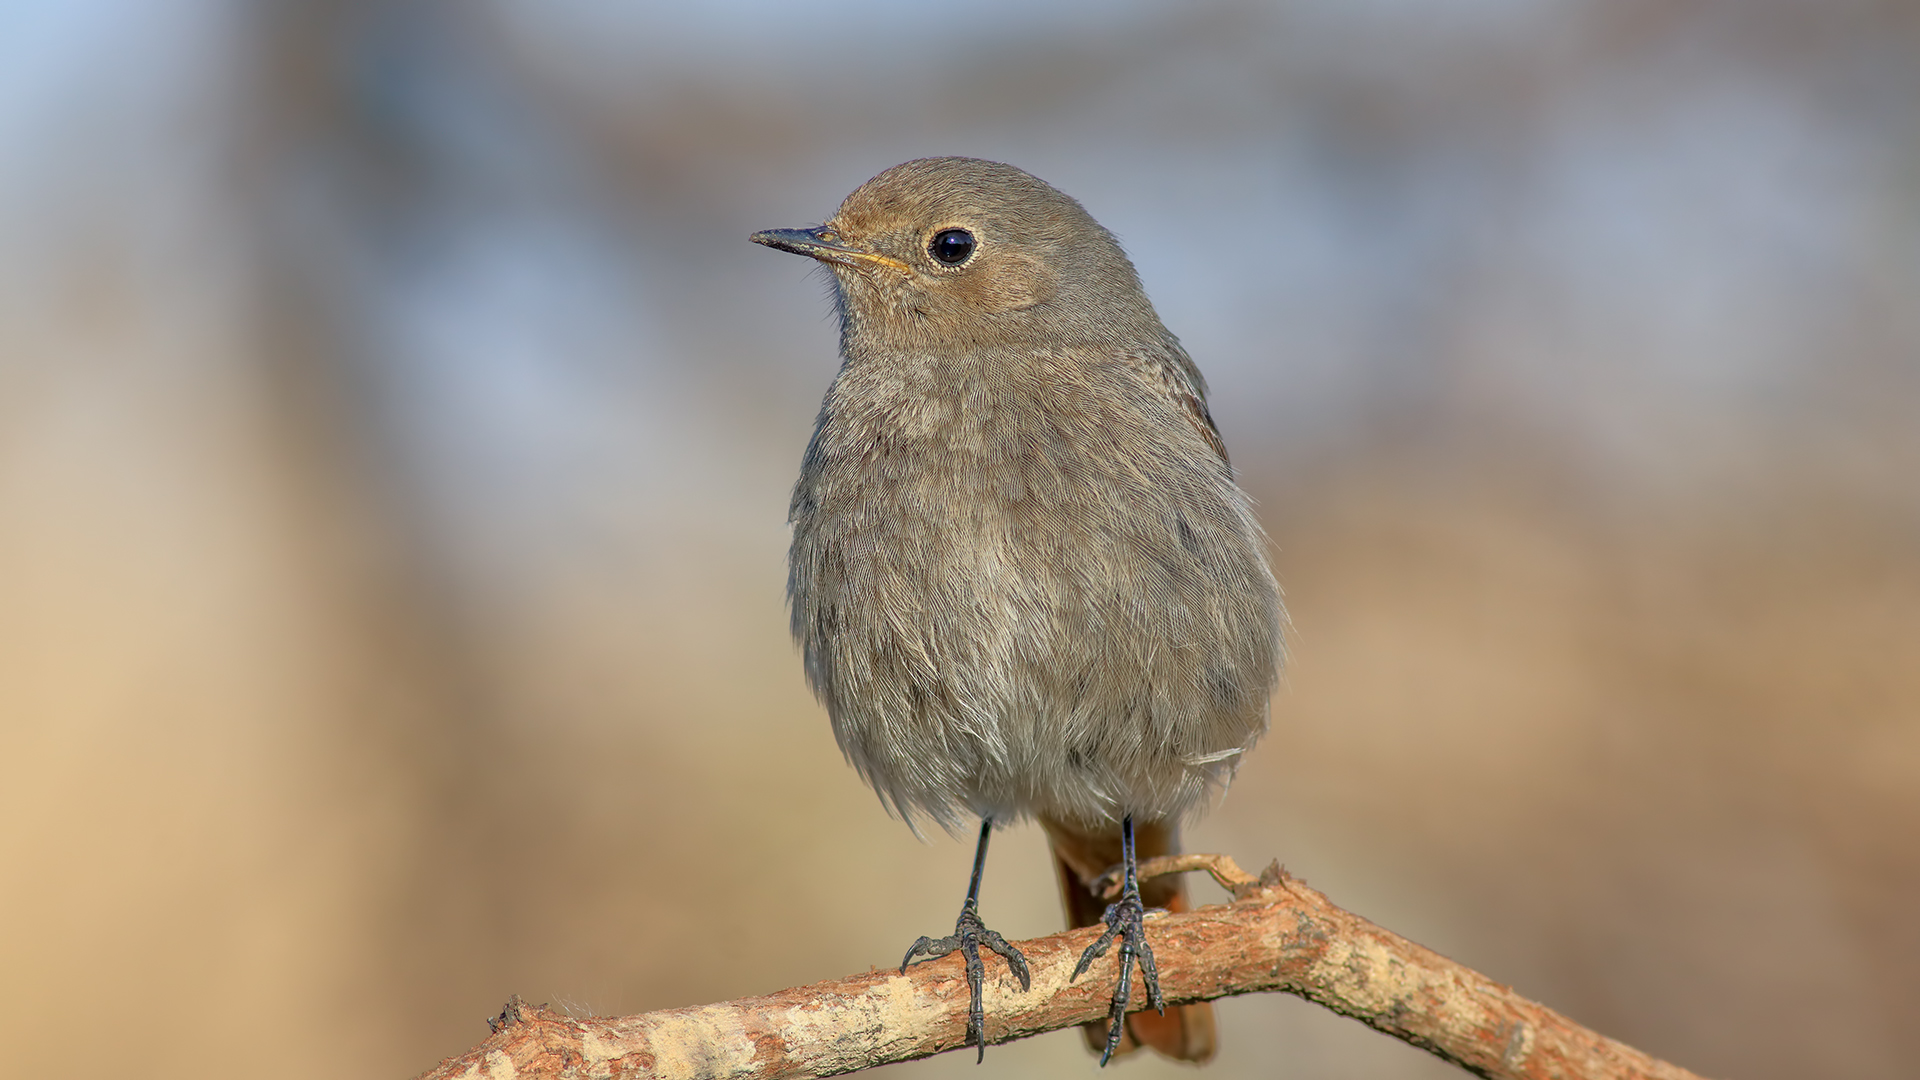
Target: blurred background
pixel 396 429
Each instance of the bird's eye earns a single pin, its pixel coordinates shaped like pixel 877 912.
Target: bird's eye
pixel 951 246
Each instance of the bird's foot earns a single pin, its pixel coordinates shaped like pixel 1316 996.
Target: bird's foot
pixel 1126 920
pixel 969 933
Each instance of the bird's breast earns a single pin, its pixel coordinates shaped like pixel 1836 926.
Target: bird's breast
pixel 1051 581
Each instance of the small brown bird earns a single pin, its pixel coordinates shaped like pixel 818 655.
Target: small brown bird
pixel 1023 578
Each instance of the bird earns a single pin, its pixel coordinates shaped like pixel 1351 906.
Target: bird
pixel 1023 579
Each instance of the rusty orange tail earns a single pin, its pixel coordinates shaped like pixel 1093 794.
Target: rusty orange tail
pixel 1186 1032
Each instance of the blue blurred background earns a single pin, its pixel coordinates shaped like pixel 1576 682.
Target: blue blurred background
pixel 396 428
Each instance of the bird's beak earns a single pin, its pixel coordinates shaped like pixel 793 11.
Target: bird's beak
pixel 827 246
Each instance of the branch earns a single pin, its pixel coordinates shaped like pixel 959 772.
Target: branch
pixel 1277 934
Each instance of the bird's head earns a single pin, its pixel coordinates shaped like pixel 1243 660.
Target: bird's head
pixel 956 253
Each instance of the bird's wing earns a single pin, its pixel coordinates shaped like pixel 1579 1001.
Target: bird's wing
pixel 1194 408
pixel 1177 376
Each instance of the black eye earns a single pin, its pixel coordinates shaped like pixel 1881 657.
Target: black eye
pixel 951 246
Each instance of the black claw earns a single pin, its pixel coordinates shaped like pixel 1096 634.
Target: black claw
pixel 969 933
pixel 1126 920
pixel 930 946
pixel 1016 963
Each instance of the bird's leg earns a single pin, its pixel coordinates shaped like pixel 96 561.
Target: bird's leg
pixel 969 933
pixel 1126 920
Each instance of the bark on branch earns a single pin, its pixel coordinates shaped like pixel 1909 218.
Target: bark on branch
pixel 1276 934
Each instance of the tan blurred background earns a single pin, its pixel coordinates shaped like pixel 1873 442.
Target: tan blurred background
pixel 396 426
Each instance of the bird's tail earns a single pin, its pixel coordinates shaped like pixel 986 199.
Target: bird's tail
pixel 1186 1032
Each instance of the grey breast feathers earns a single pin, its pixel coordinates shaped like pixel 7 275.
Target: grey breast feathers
pixel 1010 610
